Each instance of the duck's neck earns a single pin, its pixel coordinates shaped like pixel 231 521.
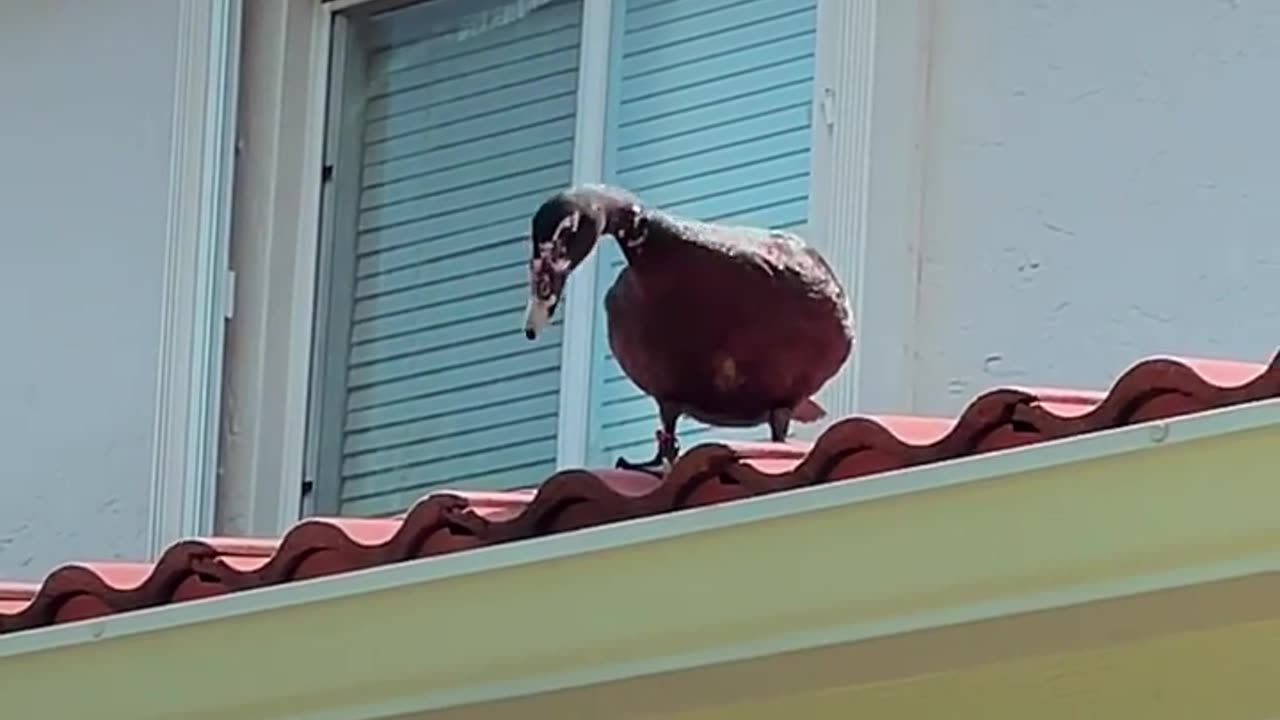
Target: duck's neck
pixel 624 219
pixel 641 247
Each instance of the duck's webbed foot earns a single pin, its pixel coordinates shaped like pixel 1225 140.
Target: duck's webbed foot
pixel 663 458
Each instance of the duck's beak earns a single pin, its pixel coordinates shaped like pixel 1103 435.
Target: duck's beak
pixel 537 315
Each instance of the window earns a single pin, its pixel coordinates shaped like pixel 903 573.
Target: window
pixel 448 128
pixel 294 319
pixel 449 122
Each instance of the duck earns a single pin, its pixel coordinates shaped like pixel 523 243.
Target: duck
pixel 731 325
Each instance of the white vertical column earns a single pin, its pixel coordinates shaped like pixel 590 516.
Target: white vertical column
pixel 843 94
pixel 275 247
pixel 197 281
pixel 580 297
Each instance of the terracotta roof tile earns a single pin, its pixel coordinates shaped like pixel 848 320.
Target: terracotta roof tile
pixel 446 522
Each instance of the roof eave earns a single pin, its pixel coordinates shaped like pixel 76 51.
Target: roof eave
pixel 1136 510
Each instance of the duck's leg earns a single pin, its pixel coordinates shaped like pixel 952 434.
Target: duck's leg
pixel 668 446
pixel 779 424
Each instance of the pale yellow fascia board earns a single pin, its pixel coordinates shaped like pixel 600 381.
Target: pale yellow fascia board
pixel 1161 505
pixel 1220 673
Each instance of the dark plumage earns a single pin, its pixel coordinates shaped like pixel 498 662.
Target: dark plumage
pixel 733 326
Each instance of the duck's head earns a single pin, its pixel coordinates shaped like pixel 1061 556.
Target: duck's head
pixel 565 229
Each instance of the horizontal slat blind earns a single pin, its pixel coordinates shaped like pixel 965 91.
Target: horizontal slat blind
pixel 713 123
pixel 465 136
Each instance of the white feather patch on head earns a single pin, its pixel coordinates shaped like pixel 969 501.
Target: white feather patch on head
pixel 538 312
pixel 635 237
pixel 536 274
pixel 569 221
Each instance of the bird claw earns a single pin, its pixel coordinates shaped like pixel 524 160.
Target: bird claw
pixel 661 462
pixel 657 467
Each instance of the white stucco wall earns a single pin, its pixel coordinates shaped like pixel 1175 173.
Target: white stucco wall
pixel 86 91
pixel 1101 183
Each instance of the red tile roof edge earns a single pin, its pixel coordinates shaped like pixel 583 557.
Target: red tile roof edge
pixel 444 522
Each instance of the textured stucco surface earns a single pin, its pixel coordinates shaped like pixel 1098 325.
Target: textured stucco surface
pixel 87 92
pixel 1101 184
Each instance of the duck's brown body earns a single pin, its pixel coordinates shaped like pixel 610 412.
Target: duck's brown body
pixel 733 326
pixel 727 324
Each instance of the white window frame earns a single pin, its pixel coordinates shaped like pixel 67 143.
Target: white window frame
pixel 873 241
pixel 322 455
pixel 274 241
pixel 196 284
pixel 339 207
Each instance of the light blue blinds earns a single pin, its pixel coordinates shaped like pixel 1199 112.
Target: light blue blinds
pixel 468 127
pixel 713 122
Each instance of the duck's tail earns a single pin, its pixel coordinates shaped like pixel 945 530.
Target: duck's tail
pixel 808 411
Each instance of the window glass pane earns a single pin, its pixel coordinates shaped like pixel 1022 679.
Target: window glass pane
pixel 468 126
